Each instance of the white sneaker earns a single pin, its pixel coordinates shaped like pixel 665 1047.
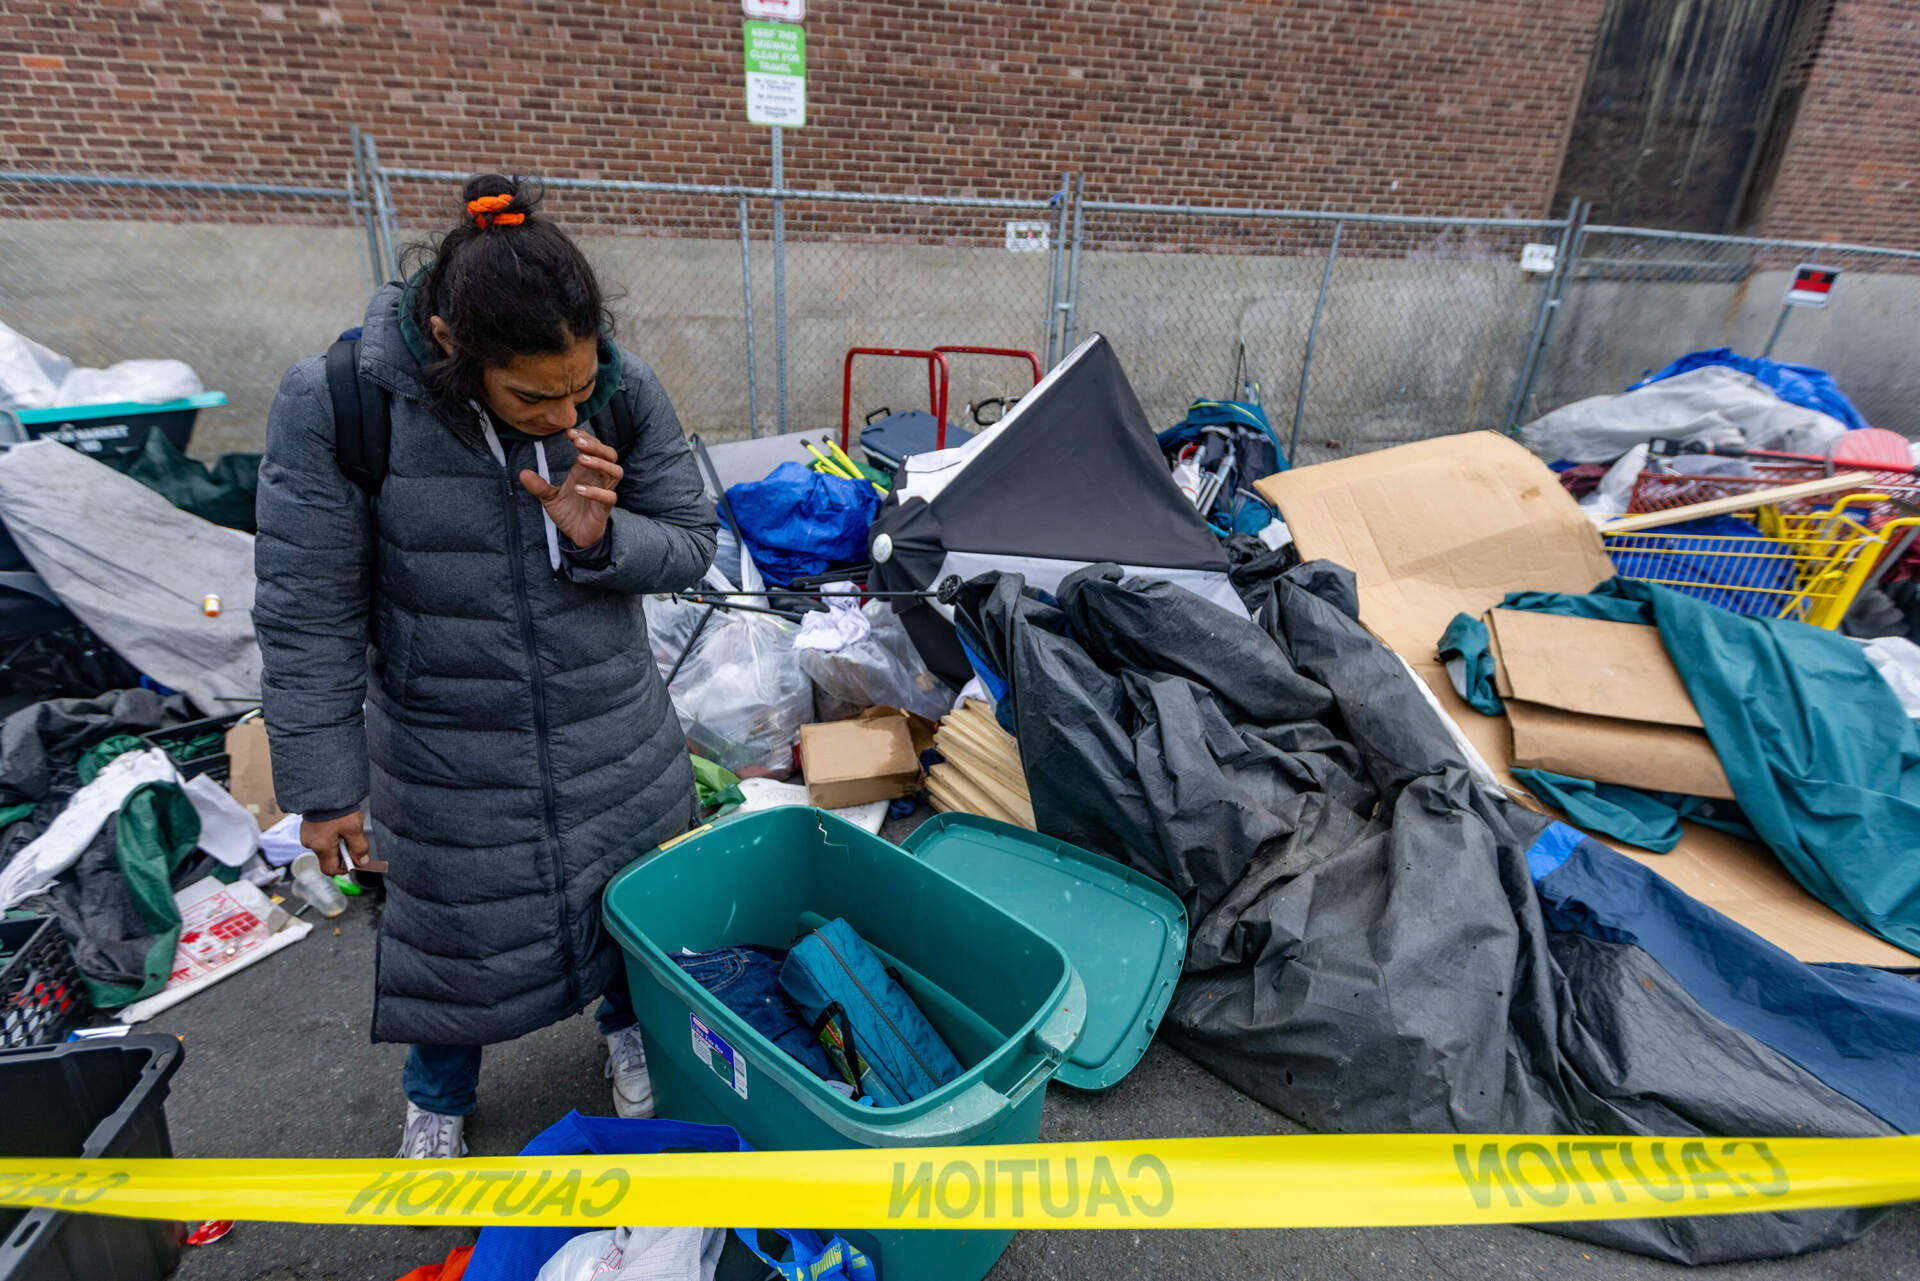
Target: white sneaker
pixel 431 1136
pixel 627 1068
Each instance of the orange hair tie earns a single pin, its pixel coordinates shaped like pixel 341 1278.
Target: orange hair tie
pixel 486 212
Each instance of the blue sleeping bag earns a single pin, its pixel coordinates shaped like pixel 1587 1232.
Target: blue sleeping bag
pixel 866 1018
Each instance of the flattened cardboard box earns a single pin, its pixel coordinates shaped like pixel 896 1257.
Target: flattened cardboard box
pixel 1451 525
pixel 1601 700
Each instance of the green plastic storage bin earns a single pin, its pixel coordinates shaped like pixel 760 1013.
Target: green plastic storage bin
pixel 1005 998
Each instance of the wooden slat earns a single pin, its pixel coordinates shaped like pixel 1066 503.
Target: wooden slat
pixel 1740 502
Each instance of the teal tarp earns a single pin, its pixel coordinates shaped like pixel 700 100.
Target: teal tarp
pixel 1822 758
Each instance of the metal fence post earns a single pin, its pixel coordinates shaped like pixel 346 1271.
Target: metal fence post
pixel 1055 261
pixel 383 206
pixel 746 290
pixel 1070 314
pixel 1785 311
pixel 1549 301
pixel 365 189
pixel 779 288
pixel 1313 332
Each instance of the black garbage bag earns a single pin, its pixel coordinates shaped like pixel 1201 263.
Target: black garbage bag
pixel 1368 949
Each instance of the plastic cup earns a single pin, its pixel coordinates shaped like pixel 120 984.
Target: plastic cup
pixel 315 887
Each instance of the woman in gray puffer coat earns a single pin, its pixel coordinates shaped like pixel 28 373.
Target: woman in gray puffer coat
pixel 483 605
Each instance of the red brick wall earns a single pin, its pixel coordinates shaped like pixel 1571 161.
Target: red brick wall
pixel 1320 103
pixel 1852 168
pixel 1464 104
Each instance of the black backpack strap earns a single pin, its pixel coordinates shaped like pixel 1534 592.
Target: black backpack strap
pixel 362 418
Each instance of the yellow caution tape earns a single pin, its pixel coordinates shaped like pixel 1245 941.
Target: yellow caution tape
pixel 1308 1181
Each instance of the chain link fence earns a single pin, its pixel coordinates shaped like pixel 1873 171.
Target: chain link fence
pixel 910 273
pixel 1637 298
pixel 1355 331
pixel 237 278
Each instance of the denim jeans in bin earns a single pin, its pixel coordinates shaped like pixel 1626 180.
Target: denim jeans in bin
pixel 746 980
pixel 446 1078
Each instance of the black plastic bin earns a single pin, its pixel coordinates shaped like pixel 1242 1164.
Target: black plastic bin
pixel 41 994
pixel 216 762
pixel 90 1099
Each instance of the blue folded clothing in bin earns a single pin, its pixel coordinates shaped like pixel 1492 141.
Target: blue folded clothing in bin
pixel 888 1048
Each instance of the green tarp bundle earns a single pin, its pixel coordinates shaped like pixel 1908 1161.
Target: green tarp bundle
pixel 1822 758
pixel 221 492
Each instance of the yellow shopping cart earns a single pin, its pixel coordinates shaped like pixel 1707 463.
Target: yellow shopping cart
pixel 1807 566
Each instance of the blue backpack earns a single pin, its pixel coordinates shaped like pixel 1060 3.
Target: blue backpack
pixel 868 1024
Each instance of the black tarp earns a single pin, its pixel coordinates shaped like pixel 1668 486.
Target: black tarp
pixel 1368 951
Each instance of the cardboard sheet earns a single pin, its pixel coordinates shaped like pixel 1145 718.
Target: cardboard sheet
pixel 1600 700
pixel 1438 528
pixel 1607 749
pixel 1452 525
pixel 250 772
pixel 1591 666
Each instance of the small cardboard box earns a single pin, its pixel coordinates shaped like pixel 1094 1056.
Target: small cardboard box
pixel 250 771
pixel 871 758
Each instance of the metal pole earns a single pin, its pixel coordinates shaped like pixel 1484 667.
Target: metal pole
pixel 1313 332
pixel 1054 263
pixel 366 194
pixel 1549 299
pixel 779 288
pixel 746 290
pixel 1576 254
pixel 383 202
pixel 687 649
pixel 1785 311
pixel 1070 319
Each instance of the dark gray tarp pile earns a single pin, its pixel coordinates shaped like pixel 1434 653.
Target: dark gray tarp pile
pixel 1369 950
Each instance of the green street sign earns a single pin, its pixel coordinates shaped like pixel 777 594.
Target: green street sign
pixel 776 74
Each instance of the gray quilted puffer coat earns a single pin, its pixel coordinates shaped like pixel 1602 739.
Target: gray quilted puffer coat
pixel 517 747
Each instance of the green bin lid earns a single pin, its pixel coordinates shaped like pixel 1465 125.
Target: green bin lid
pixel 1125 933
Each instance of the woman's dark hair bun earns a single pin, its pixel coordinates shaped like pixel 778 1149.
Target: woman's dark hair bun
pixel 505 289
pixel 525 193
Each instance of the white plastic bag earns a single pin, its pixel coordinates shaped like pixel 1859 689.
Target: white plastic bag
pixel 591 1256
pixel 670 626
pixel 741 695
pixel 36 377
pixel 862 656
pixel 1897 659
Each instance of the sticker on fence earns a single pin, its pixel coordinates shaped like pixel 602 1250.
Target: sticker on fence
pixel 1027 237
pixel 1538 258
pixel 1811 285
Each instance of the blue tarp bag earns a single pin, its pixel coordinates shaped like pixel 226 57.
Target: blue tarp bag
pixel 866 1017
pixel 798 522
pixel 1802 385
pixel 517 1254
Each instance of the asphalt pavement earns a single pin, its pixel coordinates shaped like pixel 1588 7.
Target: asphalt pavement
pixel 278 1063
